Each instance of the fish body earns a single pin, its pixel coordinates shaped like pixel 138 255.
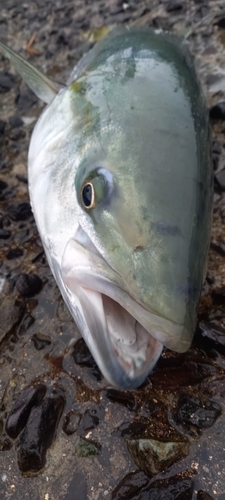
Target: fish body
pixel 120 181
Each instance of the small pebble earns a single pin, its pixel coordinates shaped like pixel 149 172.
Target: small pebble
pixel 14 253
pixel 28 285
pixel 15 121
pixel 20 211
pixel 217 112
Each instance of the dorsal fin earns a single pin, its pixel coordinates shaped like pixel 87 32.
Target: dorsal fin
pixel 42 86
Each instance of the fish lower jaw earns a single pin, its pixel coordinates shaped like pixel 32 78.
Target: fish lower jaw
pixel 125 352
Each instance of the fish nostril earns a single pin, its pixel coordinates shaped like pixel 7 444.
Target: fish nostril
pixel 138 248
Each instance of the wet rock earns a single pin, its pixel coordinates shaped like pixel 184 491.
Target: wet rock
pixel 124 398
pixel 78 483
pixel 15 121
pixel 20 211
pixel 71 422
pixel 81 354
pixel 4 234
pixel 21 178
pixel 28 285
pixel 154 409
pixel 216 148
pixel 217 112
pixel 133 430
pixel 16 134
pixel 28 398
pixel 221 22
pixel 25 100
pixel 215 387
pixel 130 486
pixel 154 456
pixel 11 312
pixel 83 357
pixel 189 373
pixel 202 495
pixel 14 253
pixel 2 127
pixel 192 411
pixel 39 433
pixel 174 5
pixel 210 339
pixel 173 488
pixel 40 341
pixel 7 81
pixel 5 443
pixel 92 417
pixel 28 320
pixel 87 448
pixel 220 179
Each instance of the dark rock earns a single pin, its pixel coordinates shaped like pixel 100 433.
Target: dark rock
pixel 210 339
pixel 4 234
pixel 71 422
pixel 210 278
pixel 133 429
pixel 28 320
pixel 25 100
pixel 217 112
pixel 2 127
pixel 220 179
pixel 5 443
pixel 78 483
pixel 15 121
pixel 39 433
pixel 81 354
pixel 18 417
pixel 202 495
pixel 3 186
pixel 192 411
pixel 21 211
pixel 21 178
pixel 173 488
pixel 28 285
pixel 11 312
pixel 216 148
pixel 221 22
pixel 87 448
pixel 155 456
pixel 83 357
pixel 174 5
pixel 7 81
pixel 130 485
pixel 92 417
pixel 218 247
pixel 124 398
pixel 189 373
pixel 40 341
pixel 15 253
pixel 16 134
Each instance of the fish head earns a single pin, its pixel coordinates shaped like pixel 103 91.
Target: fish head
pixel 104 248
pixel 122 250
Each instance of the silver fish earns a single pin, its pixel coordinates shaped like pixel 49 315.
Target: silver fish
pixel 120 182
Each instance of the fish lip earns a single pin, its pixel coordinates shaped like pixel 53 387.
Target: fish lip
pixel 75 281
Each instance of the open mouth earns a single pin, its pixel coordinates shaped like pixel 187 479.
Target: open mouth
pixel 116 328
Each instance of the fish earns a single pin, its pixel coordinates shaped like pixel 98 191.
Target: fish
pixel 120 183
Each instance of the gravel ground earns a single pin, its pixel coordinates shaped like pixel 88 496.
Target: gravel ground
pixel 63 433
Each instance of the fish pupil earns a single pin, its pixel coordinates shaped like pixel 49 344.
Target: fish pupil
pixel 87 195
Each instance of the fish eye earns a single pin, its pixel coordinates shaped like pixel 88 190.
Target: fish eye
pixel 88 195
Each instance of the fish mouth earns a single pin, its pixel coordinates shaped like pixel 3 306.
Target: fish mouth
pixel 123 337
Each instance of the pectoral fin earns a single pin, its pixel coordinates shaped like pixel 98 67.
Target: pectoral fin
pixel 44 88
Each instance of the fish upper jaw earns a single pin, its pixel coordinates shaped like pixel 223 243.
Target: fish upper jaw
pixel 124 338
